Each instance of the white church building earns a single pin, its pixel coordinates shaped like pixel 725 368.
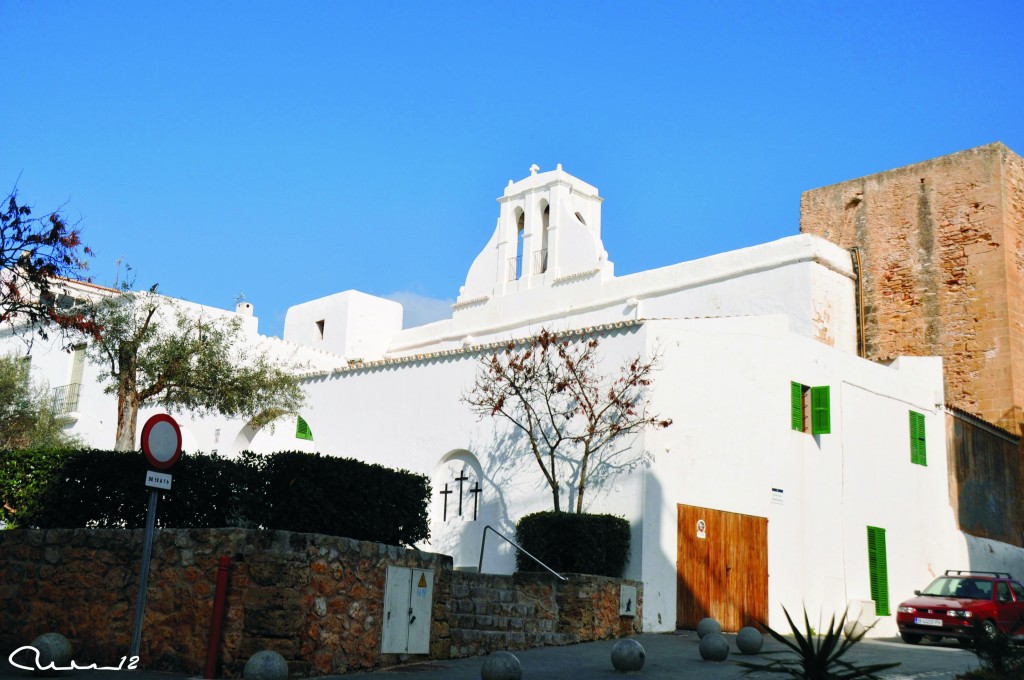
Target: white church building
pixel 795 473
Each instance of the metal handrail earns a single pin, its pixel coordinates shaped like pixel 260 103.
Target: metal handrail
pixel 483 542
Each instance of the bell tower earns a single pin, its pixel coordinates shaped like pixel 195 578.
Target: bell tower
pixel 549 230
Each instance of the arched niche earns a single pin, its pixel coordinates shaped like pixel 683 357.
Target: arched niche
pixel 459 507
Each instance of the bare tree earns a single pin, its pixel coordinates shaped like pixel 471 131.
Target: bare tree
pixel 36 254
pixel 554 391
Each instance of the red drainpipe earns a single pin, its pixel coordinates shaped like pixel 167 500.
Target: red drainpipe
pixel 210 669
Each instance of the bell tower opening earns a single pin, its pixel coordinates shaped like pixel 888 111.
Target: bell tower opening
pixel 541 264
pixel 520 238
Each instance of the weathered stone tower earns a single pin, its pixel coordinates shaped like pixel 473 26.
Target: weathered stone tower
pixel 941 257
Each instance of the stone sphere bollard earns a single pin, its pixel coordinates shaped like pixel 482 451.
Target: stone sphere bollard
pixel 854 629
pixel 749 640
pixel 501 666
pixel 54 649
pixel 714 647
pixel 266 665
pixel 628 655
pixel 708 626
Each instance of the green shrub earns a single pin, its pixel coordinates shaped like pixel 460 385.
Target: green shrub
pixel 1000 657
pixel 106 489
pixel 290 491
pixel 574 543
pixel 813 656
pixel 344 497
pixel 25 477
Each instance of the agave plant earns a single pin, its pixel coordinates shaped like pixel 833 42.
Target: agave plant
pixel 814 656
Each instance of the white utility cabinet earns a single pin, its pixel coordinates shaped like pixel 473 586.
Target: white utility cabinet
pixel 408 602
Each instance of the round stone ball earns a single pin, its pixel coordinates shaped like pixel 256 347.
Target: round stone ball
pixel 708 626
pixel 266 665
pixel 628 655
pixel 54 649
pixel 714 647
pixel 501 666
pixel 749 640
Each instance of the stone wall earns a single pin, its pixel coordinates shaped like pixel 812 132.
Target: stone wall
pixel 318 600
pixel 489 612
pixel 985 485
pixel 943 263
pixel 315 599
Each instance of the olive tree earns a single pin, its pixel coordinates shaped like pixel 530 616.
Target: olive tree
pixel 27 418
pixel 555 390
pixel 156 351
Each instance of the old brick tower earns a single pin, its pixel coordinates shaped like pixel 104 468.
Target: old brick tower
pixel 941 256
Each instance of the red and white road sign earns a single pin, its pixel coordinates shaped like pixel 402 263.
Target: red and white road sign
pixel 161 441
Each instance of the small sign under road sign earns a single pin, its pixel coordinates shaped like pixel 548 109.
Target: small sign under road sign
pixel 158 480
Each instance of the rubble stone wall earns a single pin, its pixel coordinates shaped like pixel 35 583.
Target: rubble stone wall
pixel 943 262
pixel 318 600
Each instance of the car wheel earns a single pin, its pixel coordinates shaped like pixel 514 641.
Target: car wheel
pixel 988 627
pixel 911 638
pixel 933 638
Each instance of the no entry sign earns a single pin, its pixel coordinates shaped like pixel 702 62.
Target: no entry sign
pixel 161 441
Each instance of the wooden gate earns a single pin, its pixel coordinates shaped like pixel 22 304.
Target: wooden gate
pixel 721 568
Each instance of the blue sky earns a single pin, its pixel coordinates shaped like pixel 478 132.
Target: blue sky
pixel 287 151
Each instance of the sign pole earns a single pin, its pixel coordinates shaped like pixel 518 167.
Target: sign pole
pixel 147 556
pixel 161 445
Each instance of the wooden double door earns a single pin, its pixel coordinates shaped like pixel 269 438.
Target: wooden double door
pixel 721 568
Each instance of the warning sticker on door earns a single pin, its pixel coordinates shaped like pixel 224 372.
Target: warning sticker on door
pixel 423 581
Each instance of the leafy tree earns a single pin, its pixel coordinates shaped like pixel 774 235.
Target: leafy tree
pixel 155 351
pixel 555 392
pixel 26 417
pixel 36 253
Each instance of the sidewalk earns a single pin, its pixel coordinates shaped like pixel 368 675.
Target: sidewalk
pixel 668 655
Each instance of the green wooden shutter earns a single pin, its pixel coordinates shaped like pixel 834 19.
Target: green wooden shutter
pixel 796 407
pixel 879 571
pixel 302 430
pixel 821 421
pixel 918 454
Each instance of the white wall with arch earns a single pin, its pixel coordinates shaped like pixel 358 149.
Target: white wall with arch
pixel 460 507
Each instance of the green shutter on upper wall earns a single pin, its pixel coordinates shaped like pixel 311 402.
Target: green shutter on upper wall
pixel 796 392
pixel 879 570
pixel 821 420
pixel 302 430
pixel 918 454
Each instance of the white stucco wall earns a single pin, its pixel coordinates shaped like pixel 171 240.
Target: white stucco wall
pixel 94 421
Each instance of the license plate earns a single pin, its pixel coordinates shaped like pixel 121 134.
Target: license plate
pixel 928 622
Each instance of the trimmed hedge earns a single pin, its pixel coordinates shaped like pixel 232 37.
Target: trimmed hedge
pixel 575 543
pixel 25 476
pixel 289 490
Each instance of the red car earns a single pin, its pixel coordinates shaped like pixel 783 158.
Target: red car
pixel 953 604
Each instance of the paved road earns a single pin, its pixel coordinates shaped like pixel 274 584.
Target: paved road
pixel 668 656
pixel 676 656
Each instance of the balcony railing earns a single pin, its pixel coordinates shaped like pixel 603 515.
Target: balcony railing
pixel 513 268
pixel 540 261
pixel 65 399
